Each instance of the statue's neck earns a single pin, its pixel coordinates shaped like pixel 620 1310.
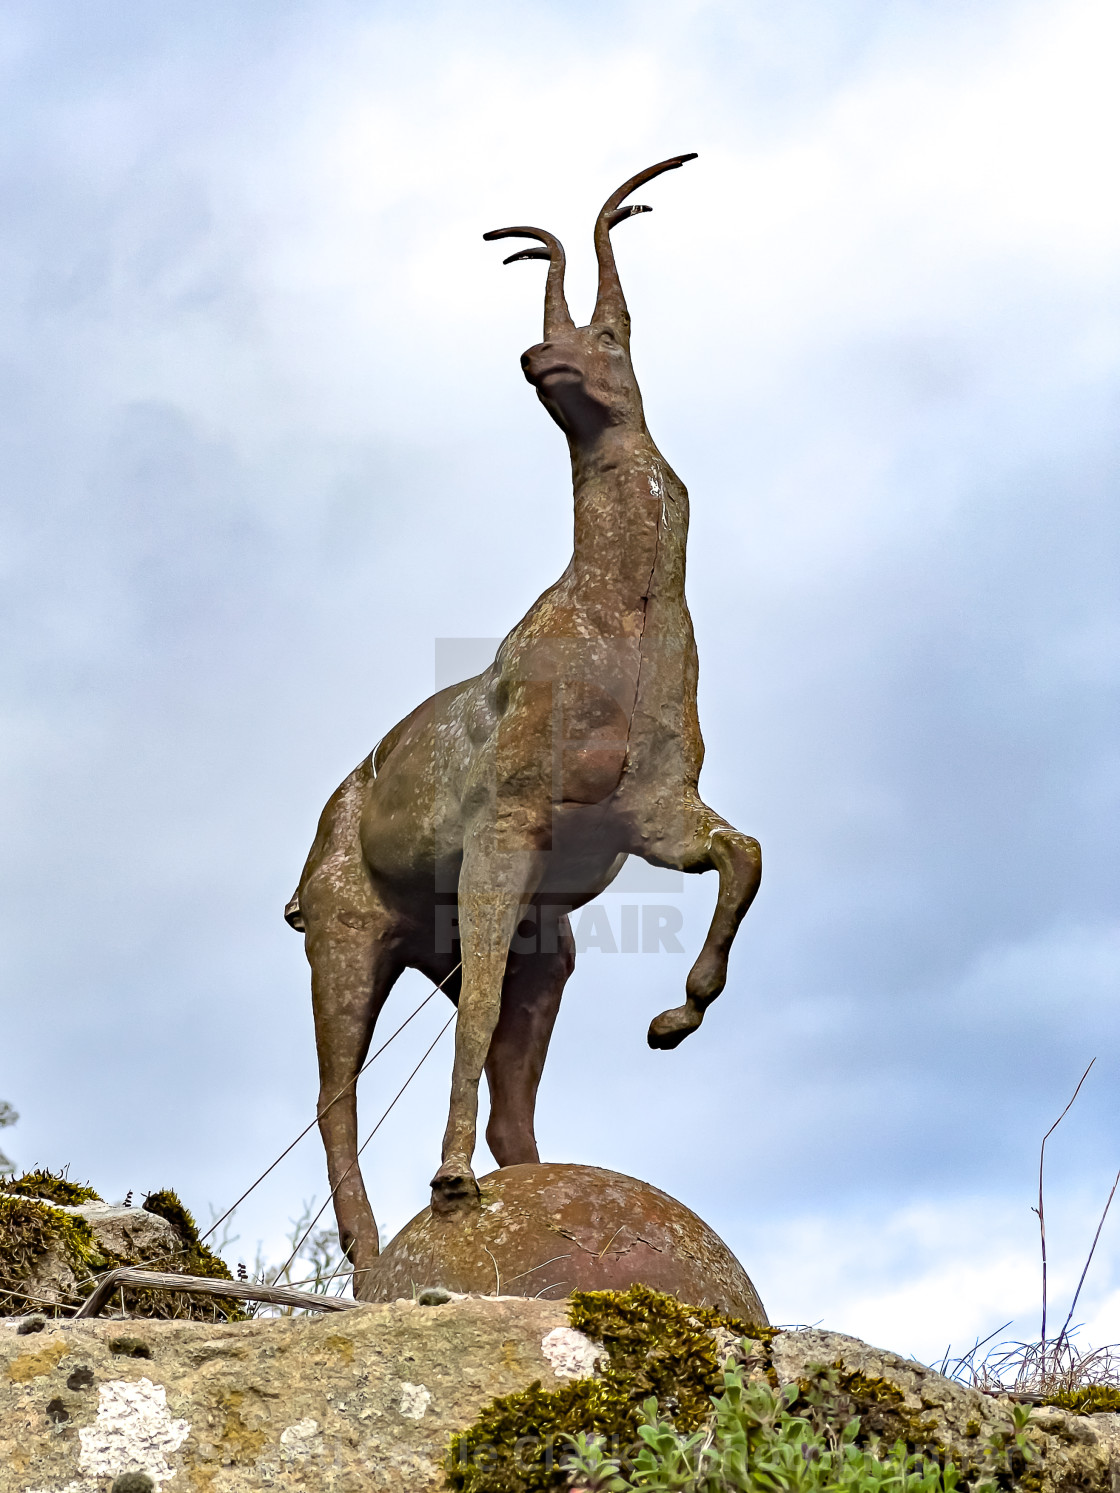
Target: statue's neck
pixel 600 458
pixel 620 490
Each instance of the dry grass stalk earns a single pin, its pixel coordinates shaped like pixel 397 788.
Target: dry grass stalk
pixel 1040 1370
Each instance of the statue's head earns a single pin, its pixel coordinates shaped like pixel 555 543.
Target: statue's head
pixel 583 375
pixel 584 379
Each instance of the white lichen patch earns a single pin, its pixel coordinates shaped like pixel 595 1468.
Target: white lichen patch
pixel 133 1432
pixel 415 1399
pixel 572 1354
pixel 298 1436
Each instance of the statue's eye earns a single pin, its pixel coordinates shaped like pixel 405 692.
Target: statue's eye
pixel 606 336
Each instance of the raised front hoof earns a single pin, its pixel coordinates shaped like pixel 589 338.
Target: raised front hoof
pixel 671 1028
pixel 453 1189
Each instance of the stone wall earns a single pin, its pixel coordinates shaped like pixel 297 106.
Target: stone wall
pixel 368 1400
pixel 364 1400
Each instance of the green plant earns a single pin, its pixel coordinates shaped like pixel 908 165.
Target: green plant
pixel 689 1402
pixel 759 1440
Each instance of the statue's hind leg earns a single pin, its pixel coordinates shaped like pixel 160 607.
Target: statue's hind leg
pixel 699 840
pixel 352 973
pixel 534 983
pixel 352 947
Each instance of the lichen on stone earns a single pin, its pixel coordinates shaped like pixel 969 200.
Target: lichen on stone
pixel 572 1354
pixel 415 1399
pixel 134 1432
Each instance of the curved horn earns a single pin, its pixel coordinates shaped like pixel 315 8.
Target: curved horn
pixel 611 303
pixel 557 318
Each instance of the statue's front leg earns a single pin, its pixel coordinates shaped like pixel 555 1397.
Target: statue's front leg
pixel 499 876
pixel 701 841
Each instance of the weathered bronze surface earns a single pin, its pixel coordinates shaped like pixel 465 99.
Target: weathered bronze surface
pixel 516 796
pixel 550 1229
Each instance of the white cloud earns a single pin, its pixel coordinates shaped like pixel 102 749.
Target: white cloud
pixel 933 1275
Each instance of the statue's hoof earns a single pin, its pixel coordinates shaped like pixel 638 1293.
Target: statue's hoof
pixel 454 1188
pixel 671 1028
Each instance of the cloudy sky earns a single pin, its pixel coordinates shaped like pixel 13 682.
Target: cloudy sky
pixel 266 442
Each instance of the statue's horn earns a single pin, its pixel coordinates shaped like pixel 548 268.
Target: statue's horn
pixel 557 318
pixel 610 306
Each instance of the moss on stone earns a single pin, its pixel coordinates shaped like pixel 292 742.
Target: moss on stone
pixel 194 1258
pixel 869 1390
pixel 658 1348
pixel 32 1232
pixel 167 1204
pixel 198 1258
pixel 29 1233
pixel 881 1407
pixel 674 1354
pixel 52 1187
pixel 1091 1399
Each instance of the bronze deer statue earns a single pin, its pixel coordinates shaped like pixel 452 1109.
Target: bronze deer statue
pixel 517 795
